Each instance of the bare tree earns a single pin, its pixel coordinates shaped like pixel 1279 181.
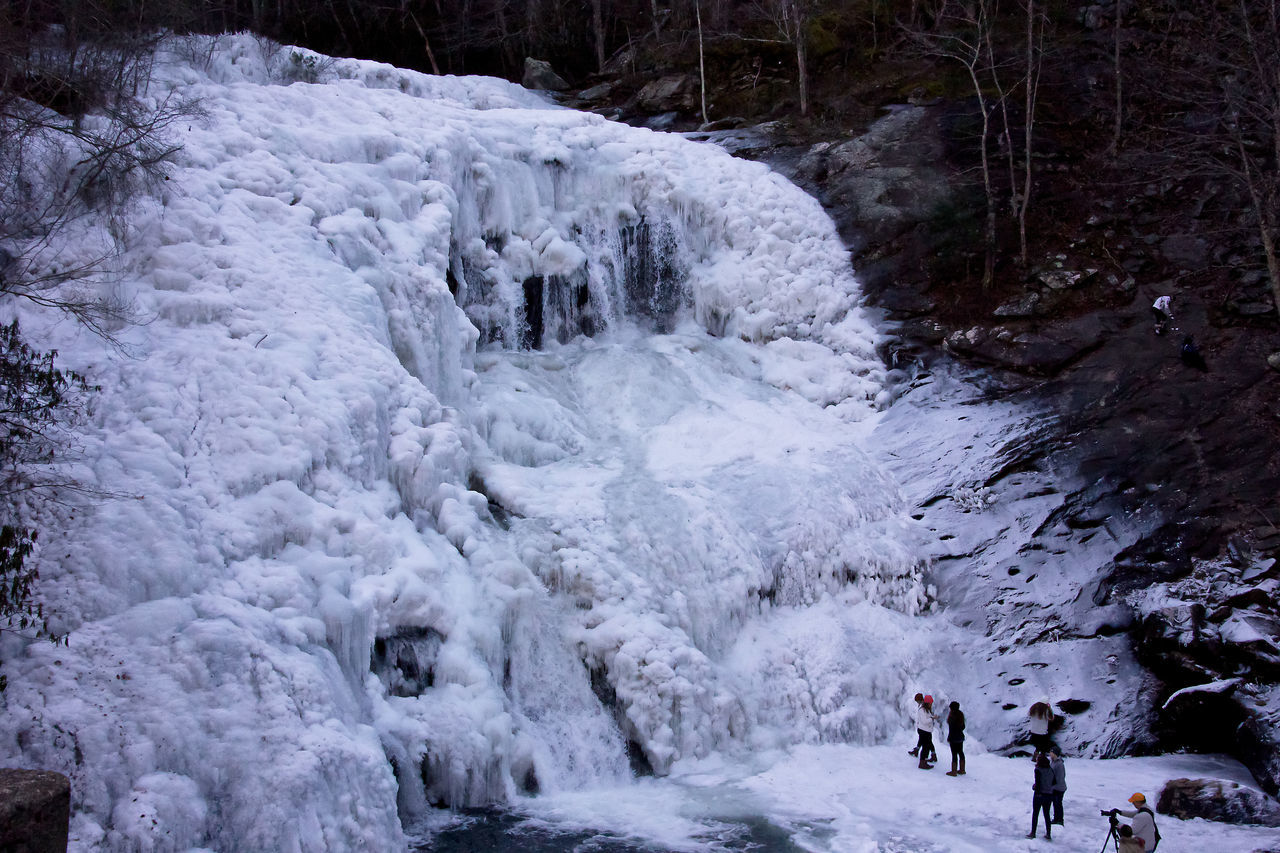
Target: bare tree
pixel 963 34
pixel 702 63
pixel 1219 75
pixel 791 19
pixel 1033 56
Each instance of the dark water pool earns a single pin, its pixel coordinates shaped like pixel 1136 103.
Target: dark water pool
pixel 506 832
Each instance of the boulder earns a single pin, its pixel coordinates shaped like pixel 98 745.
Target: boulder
pixel 1061 279
pixel 673 92
pixel 35 811
pixel 1028 352
pixel 1214 799
pixel 1024 306
pixel 539 75
pixel 596 93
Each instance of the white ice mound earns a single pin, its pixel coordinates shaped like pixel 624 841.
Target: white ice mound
pixel 472 445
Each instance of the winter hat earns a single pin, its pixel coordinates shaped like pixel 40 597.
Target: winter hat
pixel 928 700
pixel 1137 798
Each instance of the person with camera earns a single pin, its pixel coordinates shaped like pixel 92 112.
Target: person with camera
pixel 1143 822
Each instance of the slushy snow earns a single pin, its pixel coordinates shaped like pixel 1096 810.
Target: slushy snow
pixel 474 451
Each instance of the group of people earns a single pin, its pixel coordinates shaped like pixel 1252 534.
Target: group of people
pixel 1048 789
pixel 1049 785
pixel 925 749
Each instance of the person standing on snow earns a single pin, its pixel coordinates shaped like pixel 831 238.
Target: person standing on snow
pixel 919 700
pixel 955 739
pixel 1041 796
pixel 1059 783
pixel 1041 715
pixel 924 726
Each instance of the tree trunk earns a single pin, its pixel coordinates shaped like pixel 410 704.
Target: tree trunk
pixel 984 146
pixel 597 29
pixel 702 65
pixel 802 63
pixel 1265 214
pixel 426 43
pixel 1114 147
pixel 1029 119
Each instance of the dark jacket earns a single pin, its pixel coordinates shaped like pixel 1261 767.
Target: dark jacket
pixel 955 727
pixel 1044 782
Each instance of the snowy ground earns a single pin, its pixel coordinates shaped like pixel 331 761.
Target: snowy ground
pixel 849 799
pixel 366 557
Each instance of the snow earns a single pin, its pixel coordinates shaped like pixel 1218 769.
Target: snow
pixel 873 799
pixel 1210 687
pixel 359 553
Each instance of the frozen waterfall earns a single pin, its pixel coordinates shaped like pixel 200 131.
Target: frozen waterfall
pixel 474 448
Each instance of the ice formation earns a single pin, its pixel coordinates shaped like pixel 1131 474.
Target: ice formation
pixel 472 447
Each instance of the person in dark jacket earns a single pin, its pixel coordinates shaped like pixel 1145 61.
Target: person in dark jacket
pixel 1190 354
pixel 955 739
pixel 1059 783
pixel 1041 795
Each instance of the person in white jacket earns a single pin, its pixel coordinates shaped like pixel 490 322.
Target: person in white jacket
pixel 924 727
pixel 1163 313
pixel 1143 821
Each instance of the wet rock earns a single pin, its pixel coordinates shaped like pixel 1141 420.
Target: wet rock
pixel 1180 624
pixel 1028 352
pixel 1262 596
pixel 886 181
pixel 1185 250
pixel 1214 799
pixel 673 92
pixel 539 75
pixel 665 121
pixel 1256 633
pixel 1252 309
pixel 730 123
pixel 35 810
pixel 596 93
pixel 1061 279
pixel 1024 306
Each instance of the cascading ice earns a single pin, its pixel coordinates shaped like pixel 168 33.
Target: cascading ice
pixel 475 448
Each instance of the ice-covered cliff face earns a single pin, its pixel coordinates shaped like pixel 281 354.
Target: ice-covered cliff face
pixel 472 447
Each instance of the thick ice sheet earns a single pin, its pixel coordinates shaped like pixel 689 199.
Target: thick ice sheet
pixel 343 540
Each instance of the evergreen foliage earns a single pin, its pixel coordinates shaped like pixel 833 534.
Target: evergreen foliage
pixel 39 408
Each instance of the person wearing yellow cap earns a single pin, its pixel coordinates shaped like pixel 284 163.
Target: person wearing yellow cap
pixel 1143 822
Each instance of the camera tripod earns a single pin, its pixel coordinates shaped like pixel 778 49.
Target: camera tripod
pixel 1112 833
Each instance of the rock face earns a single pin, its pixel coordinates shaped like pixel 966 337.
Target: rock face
pixel 1213 799
pixel 539 75
pixel 667 94
pixel 1183 459
pixel 35 810
pixel 884 182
